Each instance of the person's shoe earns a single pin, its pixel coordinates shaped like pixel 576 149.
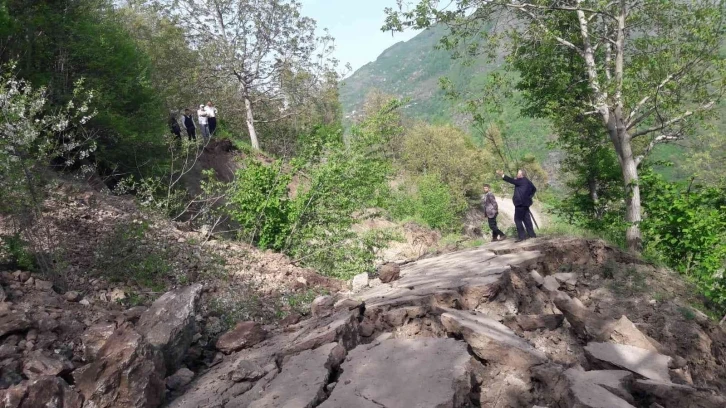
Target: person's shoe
pixel 520 239
pixel 502 237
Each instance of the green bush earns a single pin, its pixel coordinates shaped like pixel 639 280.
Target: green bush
pixel 15 252
pixel 430 201
pixel 685 227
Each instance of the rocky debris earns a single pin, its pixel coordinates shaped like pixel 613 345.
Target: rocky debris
pixel 647 363
pixel 180 379
pixel 169 324
pixel 677 396
pixel 14 321
pixel 360 282
pixel 301 383
pixel 245 370
pixel 348 304
pixel 550 284
pixel 244 334
pixel 72 296
pixel 618 382
pixel 405 373
pixel 491 340
pixel 128 372
pixel 534 322
pixel 322 306
pixel 37 364
pixel 389 272
pixel 43 284
pixel 47 391
pixel 95 337
pixel 342 328
pixel 585 323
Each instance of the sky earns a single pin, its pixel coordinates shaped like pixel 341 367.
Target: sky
pixel 356 26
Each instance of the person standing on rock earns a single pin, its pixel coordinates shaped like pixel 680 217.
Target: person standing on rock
pixel 211 117
pixel 189 124
pixel 523 194
pixel 203 123
pixel 491 210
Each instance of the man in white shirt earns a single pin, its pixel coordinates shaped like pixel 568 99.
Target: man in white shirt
pixel 203 123
pixel 211 117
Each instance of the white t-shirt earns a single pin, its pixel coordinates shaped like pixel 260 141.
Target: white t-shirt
pixel 211 111
pixel 202 118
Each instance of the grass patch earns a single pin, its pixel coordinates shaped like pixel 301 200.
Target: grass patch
pixel 629 283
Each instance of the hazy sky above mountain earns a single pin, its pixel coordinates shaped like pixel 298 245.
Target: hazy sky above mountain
pixel 356 26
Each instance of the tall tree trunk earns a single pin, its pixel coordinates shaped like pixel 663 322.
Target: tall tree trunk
pixel 249 116
pixel 633 237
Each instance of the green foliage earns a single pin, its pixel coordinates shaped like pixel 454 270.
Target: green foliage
pixel 16 252
pixel 129 253
pixel 431 202
pixel 259 203
pixel 686 228
pixel 335 184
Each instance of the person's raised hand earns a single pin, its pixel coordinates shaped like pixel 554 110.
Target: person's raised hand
pixel 500 173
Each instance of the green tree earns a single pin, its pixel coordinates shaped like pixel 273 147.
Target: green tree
pixel 267 47
pixel 653 68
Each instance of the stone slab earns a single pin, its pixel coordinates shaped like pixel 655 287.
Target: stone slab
pixel 492 340
pixel 404 373
pixel 647 363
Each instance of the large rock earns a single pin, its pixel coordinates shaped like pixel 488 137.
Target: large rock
pixel 389 272
pixel 301 383
pixel 625 332
pixel 491 340
pixel 51 392
pixel 128 372
pixel 647 363
pixel 37 364
pixel 403 373
pixel 14 321
pixel 244 334
pixel 360 282
pixel 586 389
pixel 179 379
pixel 95 337
pixel 322 306
pixel 677 396
pixel 584 322
pixel 169 324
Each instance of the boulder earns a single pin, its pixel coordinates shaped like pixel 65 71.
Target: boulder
pixel 585 392
pixel 301 383
pixel 671 395
pixel 180 379
pixel 128 372
pixel 360 282
pixel 550 284
pixel 535 322
pixel 52 392
pixel 491 340
pixel 37 365
pixel 243 335
pixel 584 322
pixel 13 396
pixel 322 306
pixel 95 337
pixel 14 321
pixel 566 278
pixel 72 296
pixel 404 373
pixel 348 304
pixel 246 370
pixel 647 363
pixel 43 284
pixel 169 324
pixel 389 272
pixel 539 280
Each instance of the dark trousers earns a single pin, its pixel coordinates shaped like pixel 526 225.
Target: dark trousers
pixel 496 232
pixel 192 133
pixel 212 125
pixel 523 220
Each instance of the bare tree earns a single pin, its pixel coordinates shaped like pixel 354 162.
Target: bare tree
pixel 261 45
pixel 653 68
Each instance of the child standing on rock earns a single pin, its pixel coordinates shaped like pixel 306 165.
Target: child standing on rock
pixel 491 209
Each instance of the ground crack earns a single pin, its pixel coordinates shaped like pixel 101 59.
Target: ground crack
pixel 358 394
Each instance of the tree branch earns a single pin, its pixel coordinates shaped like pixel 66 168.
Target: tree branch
pixel 656 141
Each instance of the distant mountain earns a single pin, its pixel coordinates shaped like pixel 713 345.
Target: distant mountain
pixel 412 69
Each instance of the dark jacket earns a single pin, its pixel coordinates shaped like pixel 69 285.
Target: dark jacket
pixel 188 121
pixel 523 191
pixel 490 206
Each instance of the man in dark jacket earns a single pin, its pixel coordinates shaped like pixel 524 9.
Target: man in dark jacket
pixel 491 209
pixel 190 125
pixel 523 193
